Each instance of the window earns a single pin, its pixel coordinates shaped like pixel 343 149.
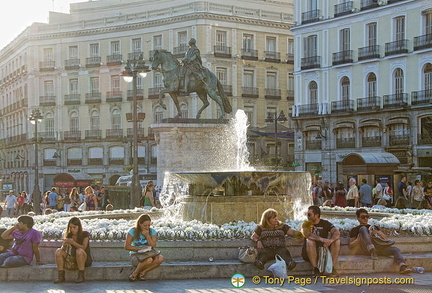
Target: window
pixel 248 78
pixel 139 83
pixel 312 5
pixel 399 28
pixel 221 74
pixel 158 80
pixel 271 44
pixel 157 42
pixel 371 85
pixel 182 39
pixel 248 42
pixel 345 133
pixel 116 119
pixel 344 39
pixel 49 124
pixel 115 83
pixel 398 81
pixel 184 111
pixel 371 34
pixel 371 132
pixel 290 82
pixel 313 92
pixel 73 52
pixel 48 54
pixel 291 46
pixel 427 76
pixel 345 89
pixel 74 122
pixel 221 39
pixel 428 23
pixel 115 48
pixel 117 153
pixel 49 88
pixel 94 50
pixel 310 46
pixel 399 129
pixel 94 120
pixel 271 80
pixel 249 111
pixel 73 86
pixel 136 45
pixel 158 115
pixel 94 84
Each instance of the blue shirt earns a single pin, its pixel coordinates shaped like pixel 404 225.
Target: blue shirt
pixel 366 191
pixel 141 241
pixel 52 196
pixel 400 187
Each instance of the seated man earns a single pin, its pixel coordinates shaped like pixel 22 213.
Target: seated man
pixel 361 242
pixel 321 233
pixel 26 244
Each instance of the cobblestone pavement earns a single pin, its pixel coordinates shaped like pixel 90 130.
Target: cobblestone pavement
pixel 422 283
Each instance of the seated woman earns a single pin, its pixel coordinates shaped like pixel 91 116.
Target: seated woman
pixel 77 243
pixel 269 236
pixel 139 237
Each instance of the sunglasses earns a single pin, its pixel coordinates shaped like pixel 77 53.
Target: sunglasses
pixel 310 215
pixel 364 217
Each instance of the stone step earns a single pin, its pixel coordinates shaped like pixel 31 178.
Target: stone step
pixel 117 271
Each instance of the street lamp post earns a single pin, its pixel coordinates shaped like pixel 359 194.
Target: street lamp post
pixel 275 118
pixel 133 69
pixel 34 118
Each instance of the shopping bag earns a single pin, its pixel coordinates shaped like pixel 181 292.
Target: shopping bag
pixel 325 262
pixel 279 269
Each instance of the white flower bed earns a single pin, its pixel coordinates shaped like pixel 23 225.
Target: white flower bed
pixel 52 227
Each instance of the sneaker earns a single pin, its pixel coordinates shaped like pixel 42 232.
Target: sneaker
pixel 373 254
pixel 404 270
pixel 334 272
pixel 259 264
pixel 316 272
pixel 291 265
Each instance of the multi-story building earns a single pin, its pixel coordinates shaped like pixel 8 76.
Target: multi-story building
pixel 70 69
pixel 363 80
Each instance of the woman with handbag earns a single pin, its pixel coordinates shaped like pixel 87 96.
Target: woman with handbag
pixel 139 239
pixel 75 251
pixel 269 236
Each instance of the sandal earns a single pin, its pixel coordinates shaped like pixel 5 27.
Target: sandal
pixel 132 278
pixel 141 278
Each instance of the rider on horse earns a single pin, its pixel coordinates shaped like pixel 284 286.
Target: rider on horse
pixel 192 64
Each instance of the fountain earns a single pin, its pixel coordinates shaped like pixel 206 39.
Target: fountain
pixel 216 184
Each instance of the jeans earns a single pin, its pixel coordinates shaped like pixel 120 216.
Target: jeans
pixel 11 261
pixel 10 212
pixel 366 245
pixel 266 254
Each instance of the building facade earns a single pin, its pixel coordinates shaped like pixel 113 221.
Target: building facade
pixel 363 80
pixel 70 69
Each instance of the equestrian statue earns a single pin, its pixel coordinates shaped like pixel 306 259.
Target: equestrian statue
pixel 189 77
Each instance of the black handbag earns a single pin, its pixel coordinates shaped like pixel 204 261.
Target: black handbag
pixel 141 256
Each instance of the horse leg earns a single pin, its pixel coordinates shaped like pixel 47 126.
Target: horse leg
pixel 212 93
pixel 176 103
pixel 162 93
pixel 203 97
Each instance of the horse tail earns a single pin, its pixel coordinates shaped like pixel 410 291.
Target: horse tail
pixel 225 101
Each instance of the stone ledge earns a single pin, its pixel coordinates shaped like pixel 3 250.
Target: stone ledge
pixel 117 271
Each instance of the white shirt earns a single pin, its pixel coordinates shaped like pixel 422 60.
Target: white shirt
pixel 378 190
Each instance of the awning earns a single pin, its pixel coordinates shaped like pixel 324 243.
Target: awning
pixel 370 123
pixel 344 125
pixel 401 120
pixel 382 163
pixel 72 179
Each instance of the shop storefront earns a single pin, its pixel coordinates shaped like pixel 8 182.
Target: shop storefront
pixel 66 181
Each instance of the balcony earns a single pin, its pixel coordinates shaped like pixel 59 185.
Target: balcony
pixel 393 1
pixel 116 161
pixel 49 100
pixel 307 110
pixel 154 92
pixel 371 141
pixel 51 162
pixel 95 161
pixel 313 144
pixel 421 97
pixel 343 57
pixel 222 51
pixel 250 92
pixel 310 62
pixel 72 63
pixel 370 52
pixel 368 4
pixel 424 138
pixel 369 104
pixel 180 51
pixel 114 133
pixel 423 42
pixel 311 16
pixel 47 135
pixel 93 134
pixel 47 65
pixel 114 59
pixel 93 61
pixel 395 101
pixel 290 58
pixel 347 142
pixel 397 47
pixel 74 162
pixel 270 56
pixel 135 55
pixel 346 106
pixel 249 54
pixel 343 9
pixel 93 98
pixel 227 89
pixel 72 135
pixel 273 94
pixel 114 96
pixel 140 131
pixel 140 95
pixel 72 99
pixel 399 140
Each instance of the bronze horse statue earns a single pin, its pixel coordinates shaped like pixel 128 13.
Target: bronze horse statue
pixel 171 70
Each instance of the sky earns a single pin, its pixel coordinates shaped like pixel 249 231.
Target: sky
pixel 16 15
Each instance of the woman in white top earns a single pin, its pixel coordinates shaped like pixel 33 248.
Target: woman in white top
pixel 417 194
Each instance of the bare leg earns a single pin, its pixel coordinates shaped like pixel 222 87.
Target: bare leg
pixel 141 266
pixel 334 249
pixel 81 257
pixel 60 256
pixel 155 263
pixel 311 252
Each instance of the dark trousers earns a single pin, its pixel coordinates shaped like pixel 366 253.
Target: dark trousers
pixel 266 254
pixel 366 245
pixel 350 202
